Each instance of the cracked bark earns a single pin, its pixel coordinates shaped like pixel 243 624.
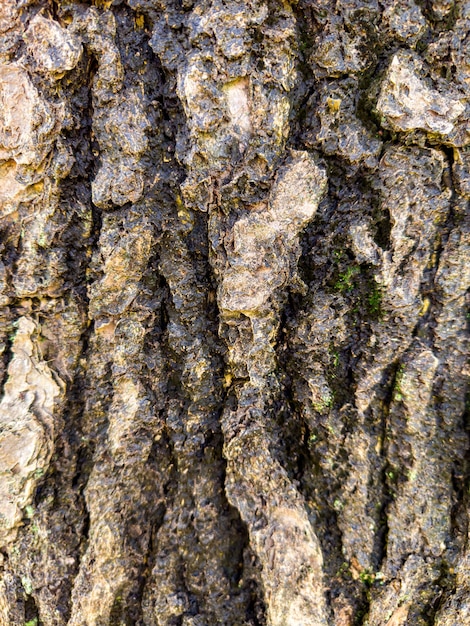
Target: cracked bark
pixel 233 312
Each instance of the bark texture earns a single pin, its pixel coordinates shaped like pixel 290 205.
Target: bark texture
pixel 233 281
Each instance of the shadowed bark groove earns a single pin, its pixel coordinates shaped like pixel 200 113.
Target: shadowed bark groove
pixel 234 278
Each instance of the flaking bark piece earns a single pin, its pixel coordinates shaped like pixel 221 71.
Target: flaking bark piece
pixel 26 427
pixel 406 103
pixel 260 262
pixel 54 49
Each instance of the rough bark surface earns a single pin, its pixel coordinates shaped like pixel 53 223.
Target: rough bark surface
pixel 233 279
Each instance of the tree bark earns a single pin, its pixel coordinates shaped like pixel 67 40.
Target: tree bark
pixel 233 281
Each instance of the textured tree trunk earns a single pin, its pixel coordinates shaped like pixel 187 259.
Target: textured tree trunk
pixel 234 263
